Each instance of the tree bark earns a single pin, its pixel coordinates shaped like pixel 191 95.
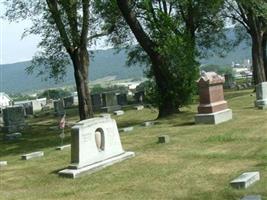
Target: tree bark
pixel 264 49
pixel 167 105
pixel 257 58
pixel 80 60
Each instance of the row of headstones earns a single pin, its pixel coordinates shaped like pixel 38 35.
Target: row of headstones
pixel 111 101
pixel 231 84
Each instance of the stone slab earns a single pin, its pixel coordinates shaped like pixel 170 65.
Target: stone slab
pixel 60 148
pixel 12 136
pixel 74 173
pixel 105 115
pixel 214 118
pixel 3 163
pixel 32 155
pixel 127 129
pixel 245 180
pixel 252 197
pixel 119 112
pixel 149 123
pixel 164 139
pixel 141 107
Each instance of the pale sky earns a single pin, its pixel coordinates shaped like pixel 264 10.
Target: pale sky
pixel 13 48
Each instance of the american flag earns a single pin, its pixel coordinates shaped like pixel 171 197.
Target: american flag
pixel 62 122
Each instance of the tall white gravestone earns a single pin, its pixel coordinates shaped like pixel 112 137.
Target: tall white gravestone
pixel 261 93
pixel 95 144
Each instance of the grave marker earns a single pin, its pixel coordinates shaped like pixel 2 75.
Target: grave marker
pixel 212 107
pixel 245 180
pixel 95 144
pixel 32 155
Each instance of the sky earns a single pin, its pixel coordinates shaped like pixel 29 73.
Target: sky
pixel 14 49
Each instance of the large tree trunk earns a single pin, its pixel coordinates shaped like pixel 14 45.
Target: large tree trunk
pixel 264 49
pixel 167 105
pixel 80 60
pixel 257 58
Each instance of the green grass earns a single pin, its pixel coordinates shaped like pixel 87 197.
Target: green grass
pixel 198 163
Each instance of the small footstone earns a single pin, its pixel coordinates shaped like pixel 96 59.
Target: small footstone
pixel 149 123
pixel 127 129
pixel 60 148
pixel 32 155
pixel 245 180
pixel 119 112
pixel 164 139
pixel 3 163
pixel 105 115
pixel 141 107
pixel 252 197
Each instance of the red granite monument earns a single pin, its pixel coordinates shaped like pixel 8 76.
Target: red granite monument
pixel 212 107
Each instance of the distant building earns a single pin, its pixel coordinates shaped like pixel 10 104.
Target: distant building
pixel 5 100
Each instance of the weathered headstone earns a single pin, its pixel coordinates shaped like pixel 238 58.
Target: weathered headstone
pixel 68 101
pixel 110 103
pixel 252 197
pixel 63 147
pixel 32 155
pixel 212 108
pixel 14 119
pixel 164 139
pixel 139 96
pixel 245 180
pixel 96 102
pixel 3 163
pixel 261 95
pixel 59 107
pixel 95 144
pixel 122 99
pixel 119 112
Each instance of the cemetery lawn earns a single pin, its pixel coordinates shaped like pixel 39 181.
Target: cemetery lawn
pixel 198 163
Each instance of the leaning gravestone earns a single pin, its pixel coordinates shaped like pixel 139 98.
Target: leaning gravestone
pixel 95 144
pixel 212 107
pixel 261 95
pixel 59 107
pixel 110 103
pixel 245 180
pixel 14 119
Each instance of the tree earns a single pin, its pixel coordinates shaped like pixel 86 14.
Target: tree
pixel 64 29
pixel 251 14
pixel 166 33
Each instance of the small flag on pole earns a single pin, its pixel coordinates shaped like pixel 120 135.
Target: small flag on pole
pixel 62 122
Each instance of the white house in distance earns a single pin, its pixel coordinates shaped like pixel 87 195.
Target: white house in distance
pixel 5 100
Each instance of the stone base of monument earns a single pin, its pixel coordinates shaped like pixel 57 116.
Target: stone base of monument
pixel 73 172
pixel 111 108
pixel 214 118
pixel 261 104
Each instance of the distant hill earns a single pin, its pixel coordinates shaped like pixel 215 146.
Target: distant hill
pixel 104 63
